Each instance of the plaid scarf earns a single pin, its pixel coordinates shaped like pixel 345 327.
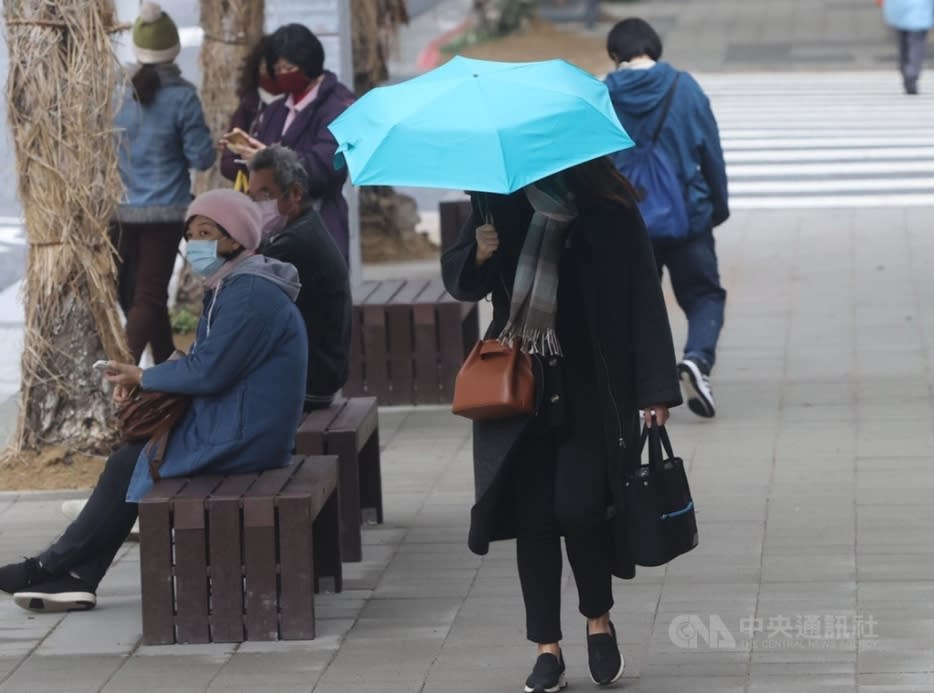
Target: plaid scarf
pixel 535 290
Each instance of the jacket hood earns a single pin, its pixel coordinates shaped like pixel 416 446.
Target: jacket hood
pixel 282 274
pixel 637 91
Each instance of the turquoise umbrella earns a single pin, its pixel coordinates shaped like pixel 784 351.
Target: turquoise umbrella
pixel 478 125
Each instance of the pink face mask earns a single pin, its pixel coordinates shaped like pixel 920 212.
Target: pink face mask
pixel 273 220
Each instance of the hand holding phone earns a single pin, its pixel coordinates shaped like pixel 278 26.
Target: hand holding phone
pixel 238 138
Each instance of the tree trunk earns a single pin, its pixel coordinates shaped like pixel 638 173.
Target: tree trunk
pixel 383 211
pixel 375 23
pixel 60 93
pixel 231 29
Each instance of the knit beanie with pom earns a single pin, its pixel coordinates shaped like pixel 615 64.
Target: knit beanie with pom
pixel 155 36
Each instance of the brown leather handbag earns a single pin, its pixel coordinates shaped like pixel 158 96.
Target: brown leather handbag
pixel 152 416
pixel 495 382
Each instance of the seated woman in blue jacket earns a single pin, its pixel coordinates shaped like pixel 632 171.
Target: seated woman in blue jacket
pixel 246 378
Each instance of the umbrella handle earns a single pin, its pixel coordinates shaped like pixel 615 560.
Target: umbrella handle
pixel 483 202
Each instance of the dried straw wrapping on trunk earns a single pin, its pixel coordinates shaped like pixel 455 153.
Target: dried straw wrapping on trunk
pixel 60 95
pixel 231 29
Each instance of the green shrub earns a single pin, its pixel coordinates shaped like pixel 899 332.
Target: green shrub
pixel 183 321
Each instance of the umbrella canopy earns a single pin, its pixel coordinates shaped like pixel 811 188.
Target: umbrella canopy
pixel 479 125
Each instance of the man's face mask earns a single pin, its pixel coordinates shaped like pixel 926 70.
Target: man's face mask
pixel 273 221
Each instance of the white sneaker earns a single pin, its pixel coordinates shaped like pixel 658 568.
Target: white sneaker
pixel 697 390
pixel 72 508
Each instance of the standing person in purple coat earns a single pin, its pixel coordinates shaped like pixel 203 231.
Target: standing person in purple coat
pixel 313 100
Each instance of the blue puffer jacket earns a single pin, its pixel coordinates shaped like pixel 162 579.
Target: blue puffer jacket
pixel 246 377
pixel 690 138
pixel 909 15
pixel 158 145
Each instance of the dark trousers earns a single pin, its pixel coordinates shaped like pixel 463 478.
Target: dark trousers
pixel 89 544
pixel 695 278
pixel 911 49
pixel 147 258
pixel 560 490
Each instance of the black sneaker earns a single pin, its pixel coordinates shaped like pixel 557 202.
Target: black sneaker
pixel 18 576
pixel 66 593
pixel 547 676
pixel 606 662
pixel 911 87
pixel 696 384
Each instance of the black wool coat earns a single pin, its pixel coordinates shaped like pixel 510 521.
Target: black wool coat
pixel 628 327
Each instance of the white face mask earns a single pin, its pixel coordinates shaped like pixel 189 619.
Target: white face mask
pixel 273 221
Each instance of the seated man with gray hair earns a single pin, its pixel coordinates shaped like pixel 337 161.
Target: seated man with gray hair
pixel 294 232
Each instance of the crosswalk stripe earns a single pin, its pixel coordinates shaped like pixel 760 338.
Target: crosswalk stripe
pixel 813 140
pixel 854 155
pixel 833 169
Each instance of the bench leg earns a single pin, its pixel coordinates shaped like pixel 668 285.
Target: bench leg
pixel 344 445
pixel 156 584
pixel 297 569
pixel 327 546
pixel 371 482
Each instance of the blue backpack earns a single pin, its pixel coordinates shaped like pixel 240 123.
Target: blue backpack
pixel 662 196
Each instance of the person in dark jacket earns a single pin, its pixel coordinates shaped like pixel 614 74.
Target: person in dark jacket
pixel 244 376
pixel 162 136
pixel 293 232
pixel 691 142
pixel 603 351
pixel 313 100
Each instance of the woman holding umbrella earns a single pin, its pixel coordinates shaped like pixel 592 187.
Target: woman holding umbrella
pixel 557 240
pixel 607 354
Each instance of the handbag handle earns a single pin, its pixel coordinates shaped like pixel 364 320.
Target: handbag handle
pixel 657 438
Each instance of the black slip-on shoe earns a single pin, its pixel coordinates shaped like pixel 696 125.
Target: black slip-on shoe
pixel 547 676
pixel 19 576
pixel 606 661
pixel 66 593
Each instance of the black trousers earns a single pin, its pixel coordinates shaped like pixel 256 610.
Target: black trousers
pixel 561 490
pixel 89 544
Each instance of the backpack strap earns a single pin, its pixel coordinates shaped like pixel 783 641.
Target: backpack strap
pixel 666 106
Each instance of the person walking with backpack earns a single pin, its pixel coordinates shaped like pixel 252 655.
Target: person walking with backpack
pixel 678 169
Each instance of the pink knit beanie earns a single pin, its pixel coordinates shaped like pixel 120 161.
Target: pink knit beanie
pixel 233 211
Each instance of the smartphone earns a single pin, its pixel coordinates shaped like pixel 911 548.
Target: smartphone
pixel 100 366
pixel 237 137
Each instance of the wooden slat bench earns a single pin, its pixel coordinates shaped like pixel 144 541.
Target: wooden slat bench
pixel 410 338
pixel 239 557
pixel 452 215
pixel 349 429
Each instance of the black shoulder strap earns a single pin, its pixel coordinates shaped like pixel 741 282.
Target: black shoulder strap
pixel 666 106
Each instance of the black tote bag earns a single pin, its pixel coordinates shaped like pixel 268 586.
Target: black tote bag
pixel 660 517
